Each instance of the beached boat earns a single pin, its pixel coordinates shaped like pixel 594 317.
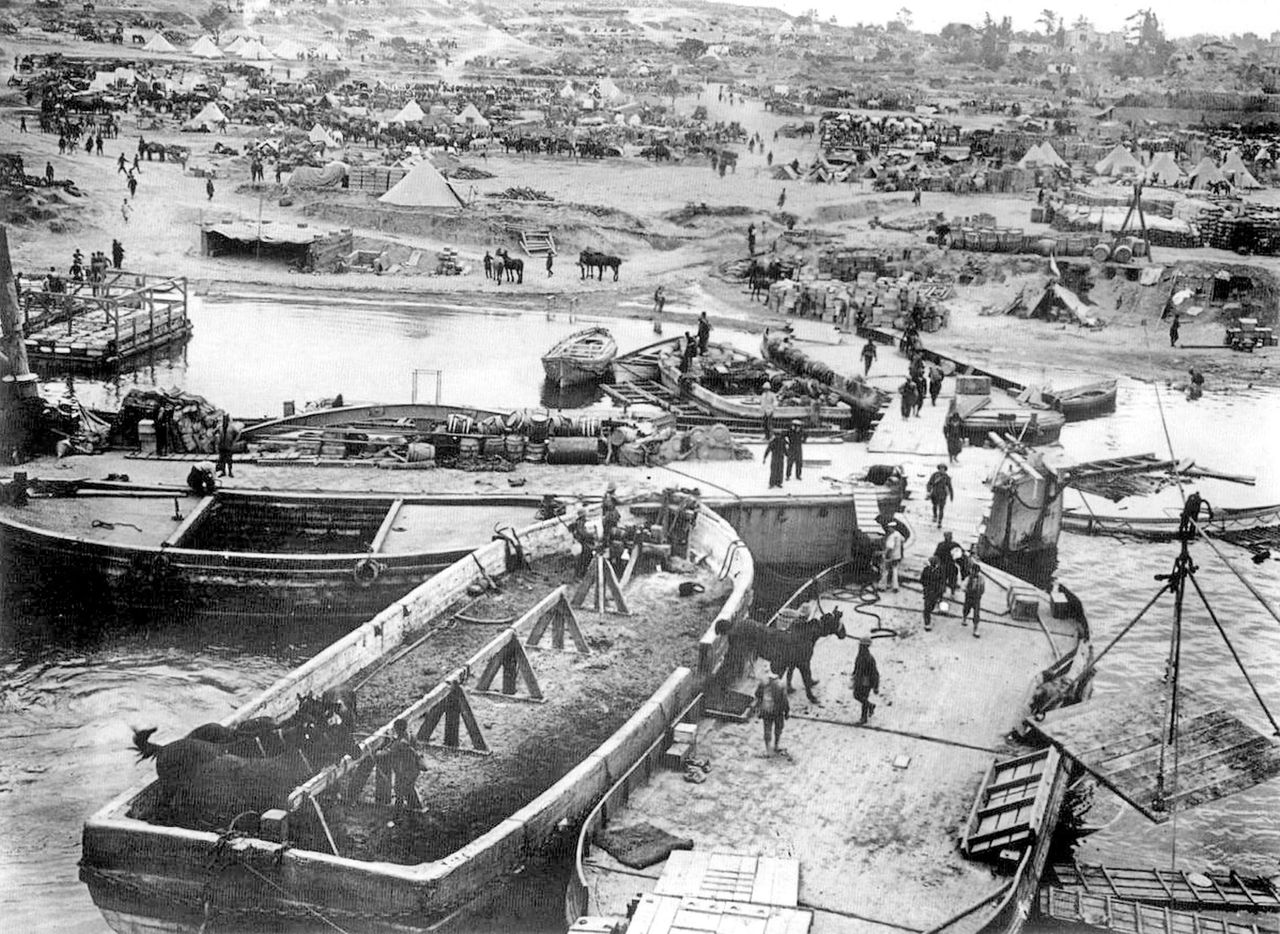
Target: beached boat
pixel 583 357
pixel 934 761
pixel 727 382
pixel 642 363
pixel 1226 523
pixel 541 710
pixel 240 554
pixel 1081 402
pixel 986 409
pixel 417 417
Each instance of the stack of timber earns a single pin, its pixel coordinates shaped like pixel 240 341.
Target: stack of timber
pixel 537 241
pixel 377 179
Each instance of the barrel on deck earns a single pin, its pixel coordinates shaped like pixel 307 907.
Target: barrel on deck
pixel 1122 250
pixel 420 452
pixel 573 451
pixel 514 447
pixel 539 426
pixel 468 446
pixel 460 424
pixel 1102 252
pixel 535 452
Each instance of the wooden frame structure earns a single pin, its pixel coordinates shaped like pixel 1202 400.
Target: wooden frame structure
pixel 104 323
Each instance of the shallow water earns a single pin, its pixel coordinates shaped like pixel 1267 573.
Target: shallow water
pixel 66 708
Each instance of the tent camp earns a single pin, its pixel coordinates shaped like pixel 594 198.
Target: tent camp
pixel 287 49
pixel 1237 172
pixel 254 51
pixel 108 79
pixel 423 187
pixel 319 134
pixel 306 177
pixel 159 43
pixel 236 44
pixel 1118 162
pixel 328 52
pixel 1164 170
pixel 209 118
pixel 409 113
pixel 609 91
pixel 1041 156
pixel 567 93
pixel 1206 173
pixel 471 116
pixel 204 47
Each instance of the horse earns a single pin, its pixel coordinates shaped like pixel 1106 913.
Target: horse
pixel 514 267
pixel 785 650
pixel 591 259
pixel 263 736
pixel 202 780
pixel 498 266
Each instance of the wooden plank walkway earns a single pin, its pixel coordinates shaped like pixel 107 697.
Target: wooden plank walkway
pixel 1108 913
pixel 915 435
pixel 1120 741
pixel 1175 888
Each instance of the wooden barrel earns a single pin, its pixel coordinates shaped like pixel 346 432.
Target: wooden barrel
pixel 1122 250
pixel 1102 252
pixel 573 451
pixel 514 447
pixel 535 452
pixel 539 426
pixel 420 452
pixel 1045 246
pixel 469 446
pixel 588 426
pixel 1140 247
pixel 460 424
pixel 494 446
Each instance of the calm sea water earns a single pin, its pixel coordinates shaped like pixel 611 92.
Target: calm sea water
pixel 66 709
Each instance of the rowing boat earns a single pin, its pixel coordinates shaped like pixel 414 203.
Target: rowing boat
pixel 932 763
pixel 1081 402
pixel 1226 523
pixel 583 357
pixel 268 556
pixel 520 730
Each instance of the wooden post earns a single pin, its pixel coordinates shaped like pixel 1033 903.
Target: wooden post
pixel 604 582
pixel 12 341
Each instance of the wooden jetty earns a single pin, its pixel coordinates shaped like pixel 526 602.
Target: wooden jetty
pixel 104 324
pixel 1097 912
pixel 1176 888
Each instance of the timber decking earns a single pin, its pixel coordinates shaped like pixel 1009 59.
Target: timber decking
pixel 876 842
pixel 1011 803
pixel 1119 739
pixel 1172 887
pixel 1108 913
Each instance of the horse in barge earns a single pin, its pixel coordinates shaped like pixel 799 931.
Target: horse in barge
pixel 506 694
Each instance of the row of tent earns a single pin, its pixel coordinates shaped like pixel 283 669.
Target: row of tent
pixel 247 49
pixel 422 186
pixel 1164 169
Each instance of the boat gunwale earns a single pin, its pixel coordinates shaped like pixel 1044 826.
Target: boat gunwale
pixel 452 879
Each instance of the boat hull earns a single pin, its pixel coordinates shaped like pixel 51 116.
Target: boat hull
pixel 149 877
pixel 565 372
pixel 584 357
pixel 1086 402
pixel 1165 528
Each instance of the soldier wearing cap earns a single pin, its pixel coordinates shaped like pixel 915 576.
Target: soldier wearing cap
pixel 610 516
pixel 939 490
pixel 768 405
pixel 775 708
pixel 795 448
pixel 866 678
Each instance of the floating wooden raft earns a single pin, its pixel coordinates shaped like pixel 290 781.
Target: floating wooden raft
pixel 1174 888
pixel 1108 913
pixel 1119 740
pixel 1118 477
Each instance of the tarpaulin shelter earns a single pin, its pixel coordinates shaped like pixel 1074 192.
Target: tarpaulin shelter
pixel 1164 170
pixel 159 43
pixel 210 117
pixel 307 178
pixel 567 92
pixel 409 113
pixel 104 80
pixel 328 51
pixel 319 134
pixel 423 187
pixel 204 47
pixel 300 244
pixel 236 44
pixel 608 91
pixel 1118 162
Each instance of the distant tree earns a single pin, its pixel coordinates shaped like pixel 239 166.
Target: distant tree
pixel 216 19
pixel 992 48
pixel 1050 20
pixel 884 54
pixel 1060 40
pixel 690 49
pixel 671 88
pixel 904 18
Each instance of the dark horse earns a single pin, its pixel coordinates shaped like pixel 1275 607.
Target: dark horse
pixel 785 650
pixel 589 260
pixel 200 781
pixel 514 267
pixel 263 736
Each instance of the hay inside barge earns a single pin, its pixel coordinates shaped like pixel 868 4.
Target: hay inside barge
pixel 521 726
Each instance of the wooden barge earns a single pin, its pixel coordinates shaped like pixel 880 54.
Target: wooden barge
pixel 1230 524
pixel 855 829
pixel 103 325
pixel 258 555
pixel 583 694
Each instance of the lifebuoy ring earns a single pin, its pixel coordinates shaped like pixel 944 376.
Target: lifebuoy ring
pixel 366 571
